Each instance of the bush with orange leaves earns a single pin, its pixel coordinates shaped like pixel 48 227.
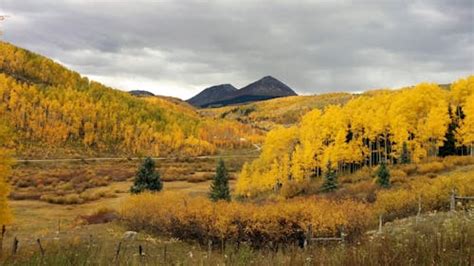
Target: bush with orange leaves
pixel 196 218
pixel 433 194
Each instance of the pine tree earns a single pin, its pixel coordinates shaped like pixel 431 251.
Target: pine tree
pixel 449 144
pixel 147 178
pixel 330 182
pixel 405 156
pixel 219 189
pixel 383 175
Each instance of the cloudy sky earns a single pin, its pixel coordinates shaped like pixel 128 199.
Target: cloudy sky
pixel 178 48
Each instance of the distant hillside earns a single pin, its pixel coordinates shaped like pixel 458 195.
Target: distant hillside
pixel 280 111
pixel 213 94
pixel 222 95
pixel 140 93
pixel 55 112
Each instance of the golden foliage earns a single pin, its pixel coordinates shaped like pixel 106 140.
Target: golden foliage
pixel 366 130
pixel 432 193
pixel 280 111
pixel 187 217
pixel 5 168
pixel 51 106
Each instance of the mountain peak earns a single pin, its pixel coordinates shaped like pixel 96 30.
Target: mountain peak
pixel 266 78
pixel 268 86
pixel 265 88
pixel 212 94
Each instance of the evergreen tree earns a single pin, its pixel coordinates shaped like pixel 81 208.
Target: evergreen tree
pixel 330 182
pixel 147 178
pixel 383 175
pixel 405 156
pixel 219 189
pixel 449 144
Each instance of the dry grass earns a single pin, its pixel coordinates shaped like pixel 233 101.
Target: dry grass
pixel 80 182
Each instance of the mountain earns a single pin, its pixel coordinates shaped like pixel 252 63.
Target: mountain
pixel 266 88
pixel 141 93
pixel 212 94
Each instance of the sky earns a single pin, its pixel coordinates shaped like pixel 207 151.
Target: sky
pixel 178 48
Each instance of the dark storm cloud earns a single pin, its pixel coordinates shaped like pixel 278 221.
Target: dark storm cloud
pixel 179 47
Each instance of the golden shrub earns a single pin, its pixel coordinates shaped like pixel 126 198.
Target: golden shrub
pixel 431 167
pixel 398 176
pixel 187 217
pixel 432 193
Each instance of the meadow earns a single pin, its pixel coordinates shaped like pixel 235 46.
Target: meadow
pixel 259 232
pixel 351 179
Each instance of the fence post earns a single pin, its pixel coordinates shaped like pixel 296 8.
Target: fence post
pixel 380 223
pixel 418 214
pixel 309 235
pixel 452 205
pixel 40 247
pixel 209 249
pixel 117 252
pixel 343 235
pixel 164 255
pixel 2 236
pixel 15 246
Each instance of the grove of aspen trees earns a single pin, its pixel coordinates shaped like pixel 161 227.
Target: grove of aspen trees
pixel 50 106
pixel 426 119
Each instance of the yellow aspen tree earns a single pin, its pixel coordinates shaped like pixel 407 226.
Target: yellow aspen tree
pixel 466 130
pixel 5 167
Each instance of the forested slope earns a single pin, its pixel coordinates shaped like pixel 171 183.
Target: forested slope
pixel 280 111
pixel 53 109
pixel 415 123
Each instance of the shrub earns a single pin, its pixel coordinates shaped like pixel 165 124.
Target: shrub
pixel 433 193
pixel 398 176
pixel 197 218
pixel 100 216
pixel 199 177
pixel 60 199
pixel 431 167
pixel 292 189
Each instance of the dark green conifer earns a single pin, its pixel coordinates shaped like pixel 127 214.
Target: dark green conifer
pixel 330 179
pixel 219 189
pixel 383 175
pixel 147 178
pixel 405 156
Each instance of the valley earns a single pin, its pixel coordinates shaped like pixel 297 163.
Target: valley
pixel 250 176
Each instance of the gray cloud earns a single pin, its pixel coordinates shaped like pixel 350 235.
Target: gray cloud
pixel 179 47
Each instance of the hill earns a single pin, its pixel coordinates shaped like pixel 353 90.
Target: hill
pixel 222 95
pixel 280 111
pixel 53 112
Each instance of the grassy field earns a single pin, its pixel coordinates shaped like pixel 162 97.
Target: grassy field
pixel 68 239
pixel 86 181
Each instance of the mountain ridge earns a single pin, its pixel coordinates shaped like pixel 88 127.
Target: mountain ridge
pixel 265 88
